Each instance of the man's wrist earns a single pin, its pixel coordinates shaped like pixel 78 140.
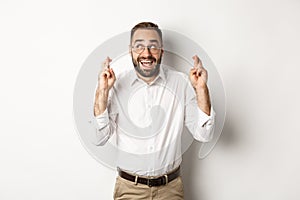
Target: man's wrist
pixel 100 101
pixel 201 89
pixel 203 99
pixel 99 109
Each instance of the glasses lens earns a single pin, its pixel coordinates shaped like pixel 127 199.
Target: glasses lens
pixel 140 48
pixel 154 50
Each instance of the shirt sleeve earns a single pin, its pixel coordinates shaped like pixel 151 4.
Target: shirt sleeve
pixel 105 124
pixel 205 128
pixel 198 123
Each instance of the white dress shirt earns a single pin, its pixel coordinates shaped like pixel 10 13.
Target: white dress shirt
pixel 145 121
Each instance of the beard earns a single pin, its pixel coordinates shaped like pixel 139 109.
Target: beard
pixel 146 72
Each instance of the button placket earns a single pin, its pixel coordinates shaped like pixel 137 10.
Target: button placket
pixel 149 98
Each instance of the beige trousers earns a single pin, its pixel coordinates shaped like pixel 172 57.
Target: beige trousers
pixel 127 190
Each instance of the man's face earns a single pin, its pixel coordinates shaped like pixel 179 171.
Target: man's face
pixel 146 62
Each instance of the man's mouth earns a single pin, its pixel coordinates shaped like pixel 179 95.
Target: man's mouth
pixel 147 66
pixel 146 63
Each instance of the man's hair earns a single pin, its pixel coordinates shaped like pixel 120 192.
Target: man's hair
pixel 146 25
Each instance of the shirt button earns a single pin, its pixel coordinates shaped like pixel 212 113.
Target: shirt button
pixel 151 148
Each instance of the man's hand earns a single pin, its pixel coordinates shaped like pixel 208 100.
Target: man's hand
pixel 106 80
pixel 198 78
pixel 198 75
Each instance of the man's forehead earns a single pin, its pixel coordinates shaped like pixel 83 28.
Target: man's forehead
pixel 146 35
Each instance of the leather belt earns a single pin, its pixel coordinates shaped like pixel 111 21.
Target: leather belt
pixel 162 180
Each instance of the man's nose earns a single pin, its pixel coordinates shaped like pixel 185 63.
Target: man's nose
pixel 146 51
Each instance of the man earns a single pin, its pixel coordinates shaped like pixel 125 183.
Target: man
pixel 145 110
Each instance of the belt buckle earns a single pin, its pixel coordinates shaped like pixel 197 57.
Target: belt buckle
pixel 149 182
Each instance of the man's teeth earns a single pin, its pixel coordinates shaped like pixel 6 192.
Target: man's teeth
pixel 146 62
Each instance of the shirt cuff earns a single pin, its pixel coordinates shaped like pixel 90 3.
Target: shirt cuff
pixel 205 119
pixel 102 119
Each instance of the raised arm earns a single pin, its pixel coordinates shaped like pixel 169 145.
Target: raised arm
pixel 106 80
pixel 198 78
pixel 103 111
pixel 199 115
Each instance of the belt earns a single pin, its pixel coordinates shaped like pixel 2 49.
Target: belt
pixel 162 180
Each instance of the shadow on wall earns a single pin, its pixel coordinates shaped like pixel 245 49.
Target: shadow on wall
pixel 192 168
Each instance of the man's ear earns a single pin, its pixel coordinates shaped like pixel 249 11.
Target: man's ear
pixel 129 49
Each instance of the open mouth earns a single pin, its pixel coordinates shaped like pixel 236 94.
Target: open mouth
pixel 147 63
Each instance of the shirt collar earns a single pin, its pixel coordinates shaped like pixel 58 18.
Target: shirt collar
pixel 161 75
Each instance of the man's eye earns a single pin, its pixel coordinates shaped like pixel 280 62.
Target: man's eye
pixel 153 47
pixel 139 46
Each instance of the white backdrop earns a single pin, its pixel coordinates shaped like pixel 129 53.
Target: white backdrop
pixel 254 45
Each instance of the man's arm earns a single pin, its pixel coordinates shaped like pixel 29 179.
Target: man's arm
pixel 198 78
pixel 199 113
pixel 106 80
pixel 105 121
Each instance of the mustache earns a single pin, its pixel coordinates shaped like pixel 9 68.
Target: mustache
pixel 146 58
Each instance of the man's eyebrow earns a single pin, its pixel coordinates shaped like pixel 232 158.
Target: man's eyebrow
pixel 154 41
pixel 138 40
pixel 141 40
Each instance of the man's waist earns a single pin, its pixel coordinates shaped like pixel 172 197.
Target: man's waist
pixel 151 180
pixel 147 167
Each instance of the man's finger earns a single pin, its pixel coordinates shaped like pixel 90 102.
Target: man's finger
pixel 108 60
pixel 198 72
pixel 106 63
pixel 196 60
pixel 193 71
pixel 112 73
pixel 202 71
pixel 103 74
pixel 107 73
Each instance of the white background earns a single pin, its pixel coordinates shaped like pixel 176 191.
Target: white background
pixel 254 45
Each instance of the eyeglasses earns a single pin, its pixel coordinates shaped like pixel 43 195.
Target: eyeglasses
pixel 139 48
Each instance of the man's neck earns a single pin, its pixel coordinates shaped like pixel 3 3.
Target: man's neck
pixel 148 80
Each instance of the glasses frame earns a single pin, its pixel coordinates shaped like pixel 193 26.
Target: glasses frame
pixel 149 49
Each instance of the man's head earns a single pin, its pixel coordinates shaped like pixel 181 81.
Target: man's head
pixel 146 49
